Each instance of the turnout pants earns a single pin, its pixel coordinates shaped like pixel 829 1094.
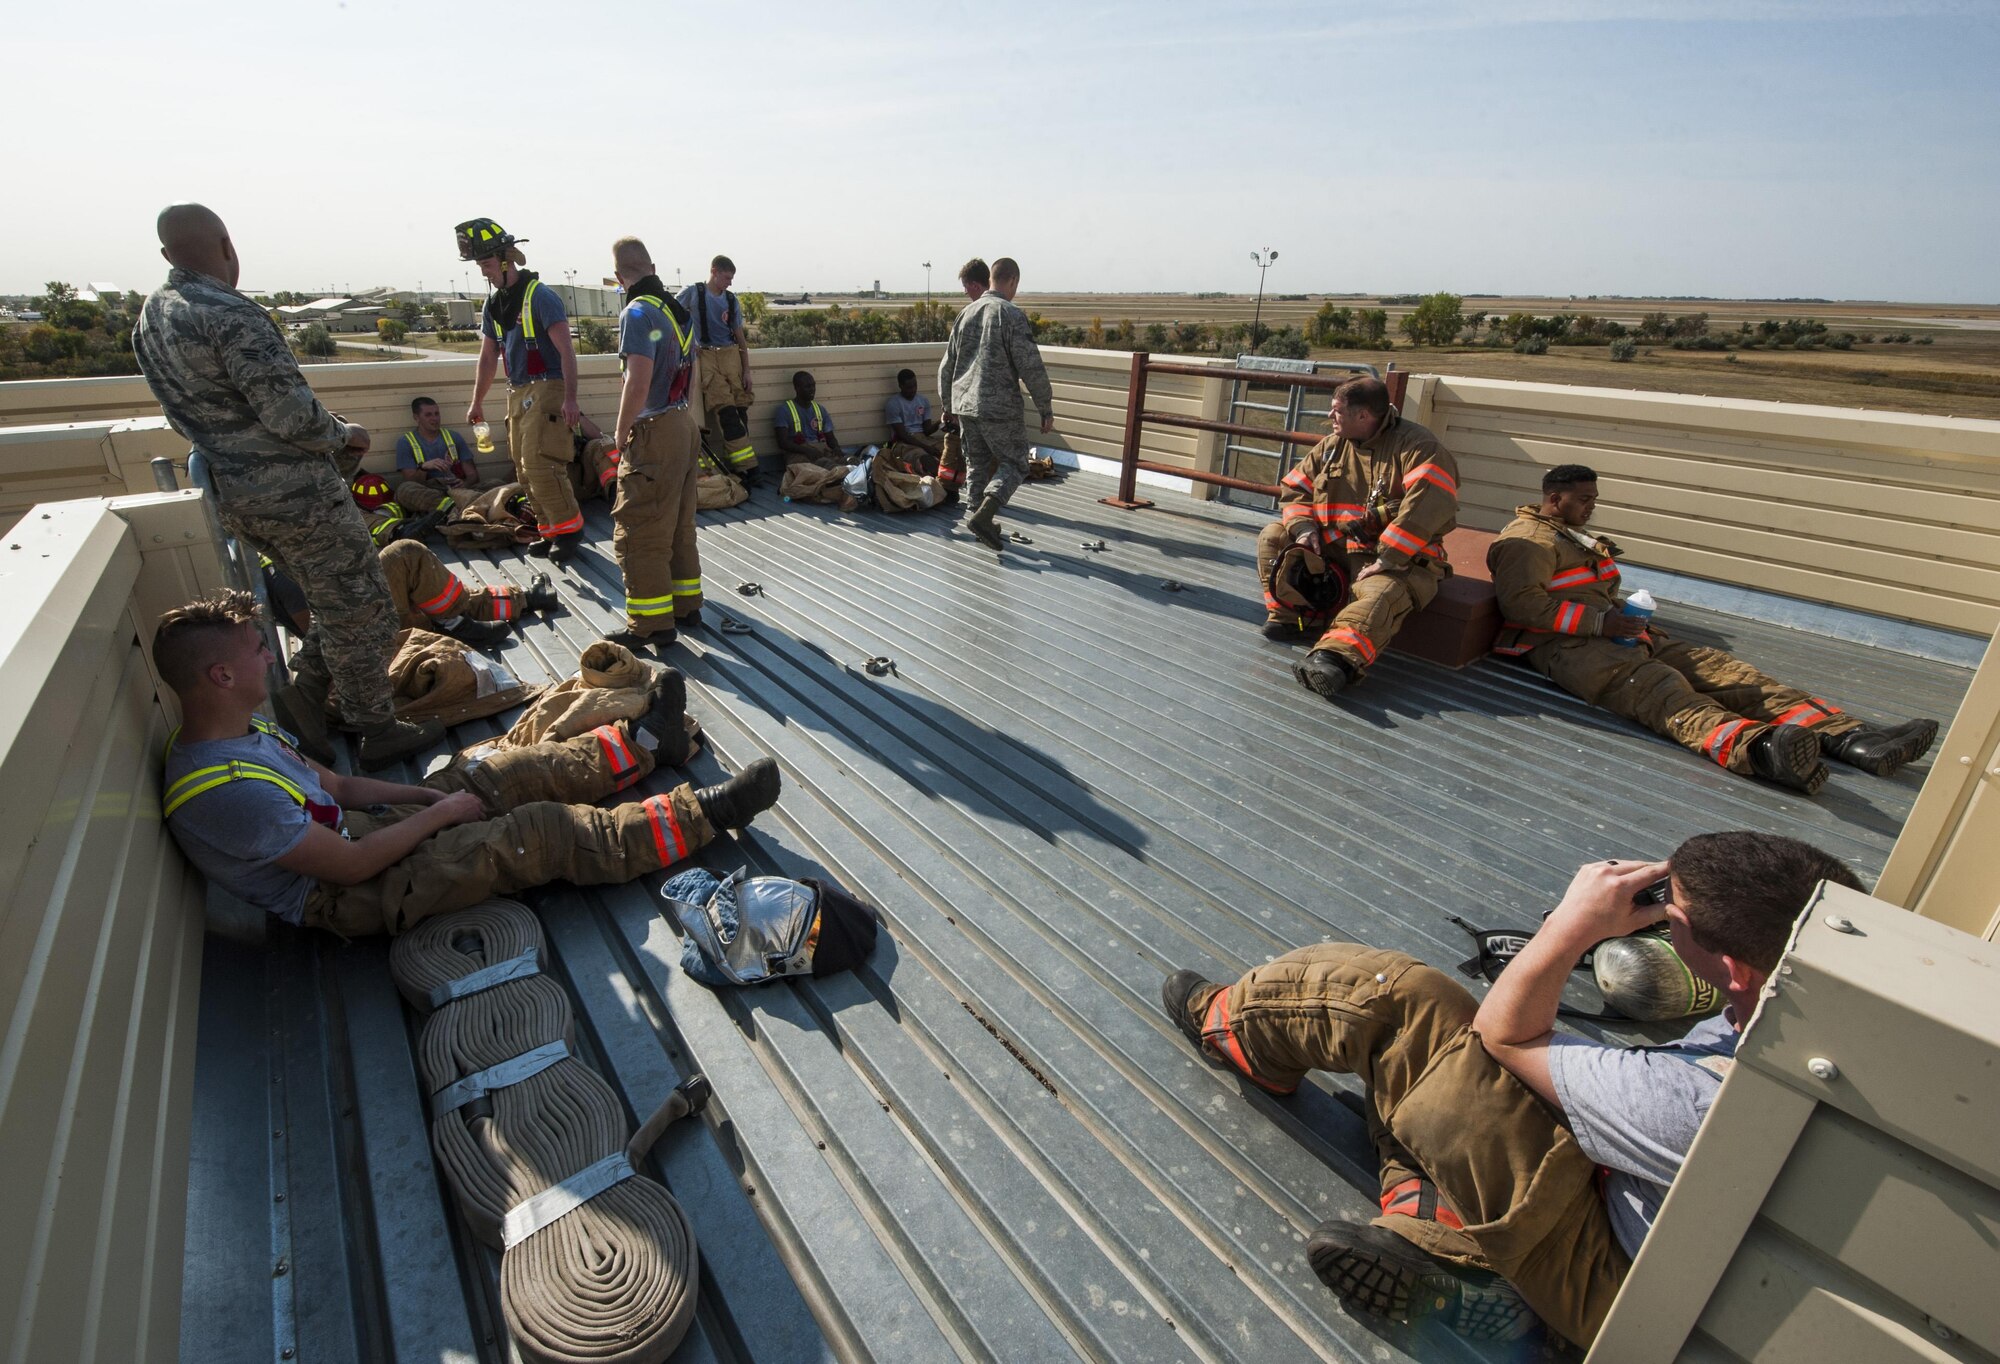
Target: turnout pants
pixel 996 457
pixel 543 833
pixel 1439 1105
pixel 1702 699
pixel 542 449
pixel 725 401
pixel 313 533
pixel 425 591
pixel 1376 608
pixel 412 499
pixel 653 522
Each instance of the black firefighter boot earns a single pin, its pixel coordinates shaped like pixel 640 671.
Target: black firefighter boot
pixel 300 706
pixel 1325 672
pixel 541 594
pixel 393 739
pixel 1789 756
pixel 416 528
pixel 734 803
pixel 1881 751
pixel 477 633
pixel 980 523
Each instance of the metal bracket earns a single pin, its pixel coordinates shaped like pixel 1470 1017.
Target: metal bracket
pixel 751 589
pixel 880 665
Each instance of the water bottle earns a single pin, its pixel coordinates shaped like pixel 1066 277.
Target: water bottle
pixel 1642 605
pixel 482 437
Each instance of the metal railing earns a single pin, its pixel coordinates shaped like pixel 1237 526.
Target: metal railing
pixel 1137 417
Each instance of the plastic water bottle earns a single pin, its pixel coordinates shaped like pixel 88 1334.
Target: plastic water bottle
pixel 482 437
pixel 1642 605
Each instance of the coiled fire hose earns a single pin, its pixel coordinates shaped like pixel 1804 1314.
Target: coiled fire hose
pixel 598 1263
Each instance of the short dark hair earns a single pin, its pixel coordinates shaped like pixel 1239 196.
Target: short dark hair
pixel 190 638
pixel 1366 393
pixel 799 374
pixel 1745 890
pixel 903 374
pixel 1006 267
pixel 1566 476
pixel 417 403
pixel 723 263
pixel 974 271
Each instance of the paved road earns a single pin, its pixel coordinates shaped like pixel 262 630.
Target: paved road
pixel 412 352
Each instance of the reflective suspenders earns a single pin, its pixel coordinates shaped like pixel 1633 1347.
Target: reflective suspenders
pixel 208 778
pixel 819 415
pixel 527 315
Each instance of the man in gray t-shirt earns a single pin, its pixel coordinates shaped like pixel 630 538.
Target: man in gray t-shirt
pixel 907 414
pixel 1517 1167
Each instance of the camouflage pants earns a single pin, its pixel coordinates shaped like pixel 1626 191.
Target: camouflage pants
pixel 1439 1105
pixel 653 523
pixel 306 523
pixel 542 450
pixel 425 591
pixel 542 833
pixel 996 457
pixel 1703 699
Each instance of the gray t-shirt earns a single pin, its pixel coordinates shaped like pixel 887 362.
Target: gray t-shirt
pixel 644 329
pixel 1635 1111
pixel 912 413
pixel 718 329
pixel 235 833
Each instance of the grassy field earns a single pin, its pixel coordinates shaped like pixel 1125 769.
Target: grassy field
pixel 1956 374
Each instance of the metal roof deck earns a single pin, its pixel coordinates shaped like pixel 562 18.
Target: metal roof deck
pixel 988 1143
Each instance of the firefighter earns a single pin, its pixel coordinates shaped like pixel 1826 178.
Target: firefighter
pixel 406 510
pixel 525 326
pixel 429 596
pixel 360 856
pixel 1564 617
pixel 725 367
pixel 658 440
pixel 1370 506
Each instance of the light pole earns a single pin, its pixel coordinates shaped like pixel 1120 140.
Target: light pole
pixel 927 285
pixel 1263 259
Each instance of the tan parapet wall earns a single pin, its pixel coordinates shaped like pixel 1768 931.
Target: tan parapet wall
pixel 100 933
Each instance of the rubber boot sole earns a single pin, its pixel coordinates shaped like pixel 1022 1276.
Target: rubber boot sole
pixel 1377 1272
pixel 1789 756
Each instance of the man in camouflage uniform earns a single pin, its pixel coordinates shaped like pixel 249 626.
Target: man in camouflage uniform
pixel 1373 501
pixel 227 381
pixel 1565 618
pixel 990 355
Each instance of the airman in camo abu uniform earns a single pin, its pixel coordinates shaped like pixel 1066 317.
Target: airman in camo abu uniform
pixel 225 378
pixel 990 355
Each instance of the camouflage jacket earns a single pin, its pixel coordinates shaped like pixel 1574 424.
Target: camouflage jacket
pixel 1394 495
pixel 227 381
pixel 991 353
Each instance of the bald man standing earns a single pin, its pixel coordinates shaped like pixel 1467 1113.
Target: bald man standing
pixel 227 381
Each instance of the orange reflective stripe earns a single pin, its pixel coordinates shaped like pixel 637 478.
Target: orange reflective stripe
pixel 1297 479
pixel 1569 618
pixel 1407 1200
pixel 1432 474
pixel 1579 576
pixel 1356 639
pixel 504 605
pixel 661 813
pixel 444 600
pixel 569 527
pixel 1513 650
pixel 617 755
pixel 1808 713
pixel 1398 538
pixel 1216 1033
pixel 1720 742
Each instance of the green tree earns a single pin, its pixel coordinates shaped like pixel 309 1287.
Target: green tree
pixel 391 331
pixel 316 340
pixel 1156 336
pixel 410 313
pixel 594 337
pixel 754 307
pixel 1655 327
pixel 437 313
pixel 1374 325
pixel 1190 337
pixel 1287 342
pixel 1435 320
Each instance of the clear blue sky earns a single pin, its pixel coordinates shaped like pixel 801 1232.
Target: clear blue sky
pixel 1748 147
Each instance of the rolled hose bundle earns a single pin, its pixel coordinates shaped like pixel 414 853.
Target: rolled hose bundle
pixel 611 1280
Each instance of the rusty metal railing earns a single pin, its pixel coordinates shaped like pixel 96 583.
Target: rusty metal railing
pixel 1137 417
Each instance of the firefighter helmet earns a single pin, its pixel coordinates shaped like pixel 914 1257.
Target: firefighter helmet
pixel 480 238
pixel 1304 580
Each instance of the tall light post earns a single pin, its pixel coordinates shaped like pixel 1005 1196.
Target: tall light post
pixel 927 285
pixel 1263 259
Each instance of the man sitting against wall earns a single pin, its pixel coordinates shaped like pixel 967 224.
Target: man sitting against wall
pixel 1565 618
pixel 1520 1169
pixel 360 856
pixel 432 453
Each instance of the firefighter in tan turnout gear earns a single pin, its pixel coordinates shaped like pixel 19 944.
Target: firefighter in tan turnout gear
pixel 1564 617
pixel 1368 506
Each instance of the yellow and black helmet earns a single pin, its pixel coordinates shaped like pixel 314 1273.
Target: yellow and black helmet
pixel 480 238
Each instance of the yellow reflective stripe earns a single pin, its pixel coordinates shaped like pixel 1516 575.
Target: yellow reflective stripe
pixel 208 778
pixel 744 456
pixel 258 722
pixel 450 445
pixel 649 606
pixel 661 304
pixel 685 586
pixel 416 450
pixel 528 309
pixel 794 407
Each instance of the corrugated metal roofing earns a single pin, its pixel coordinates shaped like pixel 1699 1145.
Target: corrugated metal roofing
pixel 989 1143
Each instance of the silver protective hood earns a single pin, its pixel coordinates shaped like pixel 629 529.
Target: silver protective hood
pixel 773 917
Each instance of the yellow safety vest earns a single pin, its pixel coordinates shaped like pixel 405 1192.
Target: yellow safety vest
pixel 208 778
pixel 679 336
pixel 417 449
